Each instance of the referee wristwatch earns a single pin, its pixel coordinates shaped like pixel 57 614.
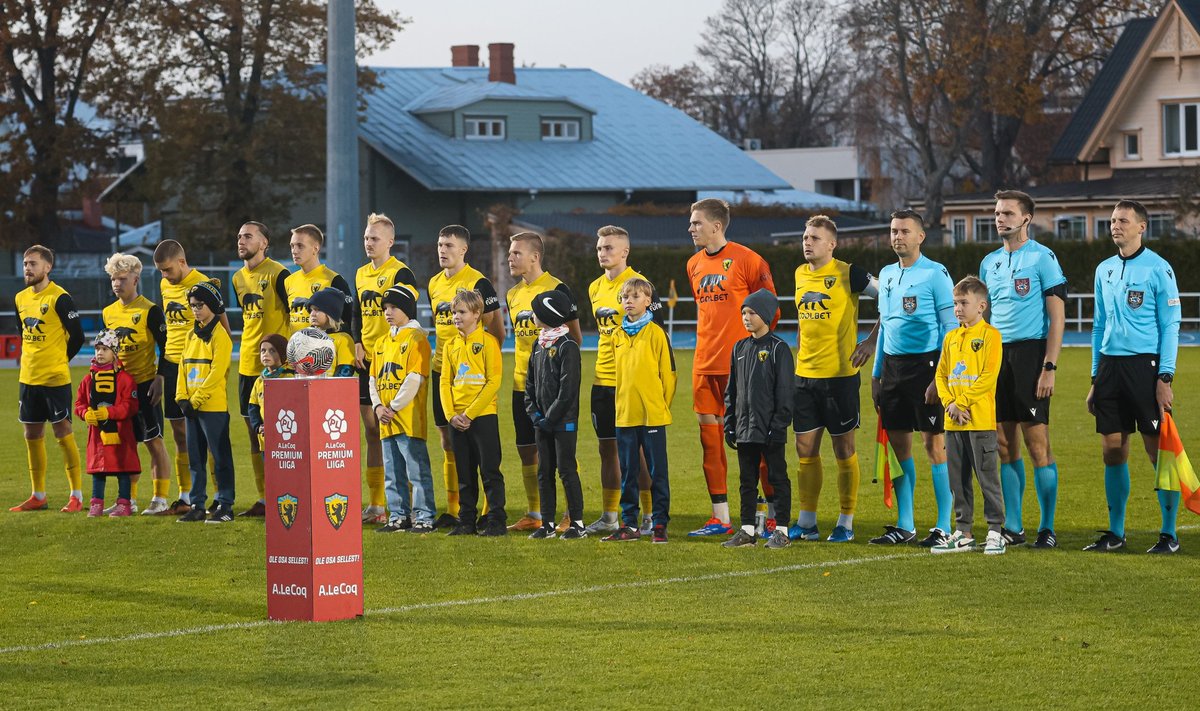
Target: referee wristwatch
pixel 1049 366
pixel 1166 378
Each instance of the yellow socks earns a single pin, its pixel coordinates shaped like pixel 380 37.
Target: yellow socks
pixel 133 487
pixel 183 475
pixel 71 460
pixel 35 449
pixel 808 480
pixel 162 487
pixel 532 497
pixel 611 500
pixel 848 476
pixel 647 504
pixel 257 463
pixel 375 485
pixel 450 476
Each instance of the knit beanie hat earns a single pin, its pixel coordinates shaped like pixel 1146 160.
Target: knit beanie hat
pixel 209 293
pixel 763 303
pixel 552 308
pixel 401 298
pixel 329 301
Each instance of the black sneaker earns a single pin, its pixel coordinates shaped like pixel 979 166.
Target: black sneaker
pixel 400 524
pixel 445 521
pixel 481 523
pixel 543 533
pixel 462 529
pixel 893 536
pixel 212 508
pixel 574 532
pixel 659 535
pixel 1013 538
pixel 741 539
pixel 494 528
pixel 421 527
pixel 1045 539
pixel 1107 543
pixel 222 514
pixel 194 514
pixel 936 537
pixel 1166 544
pixel 624 533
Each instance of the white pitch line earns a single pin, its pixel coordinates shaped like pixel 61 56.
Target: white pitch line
pixel 518 597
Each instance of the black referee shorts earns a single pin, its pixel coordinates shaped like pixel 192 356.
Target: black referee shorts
pixel 902 395
pixel 1125 394
pixel 1016 385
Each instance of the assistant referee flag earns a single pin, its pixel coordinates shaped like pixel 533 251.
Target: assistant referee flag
pixel 1175 472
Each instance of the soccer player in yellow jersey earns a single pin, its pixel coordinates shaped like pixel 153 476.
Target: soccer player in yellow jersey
pixel 827 380
pixel 381 272
pixel 471 373
pixel 260 290
pixel 525 253
pixel 604 294
pixel 178 279
pixel 311 277
pixel 455 276
pixel 141 329
pixel 50 336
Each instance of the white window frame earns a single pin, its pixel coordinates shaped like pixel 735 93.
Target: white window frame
pixel 1103 228
pixel 1079 226
pixel 958 228
pixel 1136 136
pixel 1182 107
pixel 983 230
pixel 1158 216
pixel 495 128
pixel 565 126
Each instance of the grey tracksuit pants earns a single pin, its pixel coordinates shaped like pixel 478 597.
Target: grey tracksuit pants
pixel 974 450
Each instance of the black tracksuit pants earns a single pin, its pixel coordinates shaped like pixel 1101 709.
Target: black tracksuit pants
pixel 750 456
pixel 477 456
pixel 557 450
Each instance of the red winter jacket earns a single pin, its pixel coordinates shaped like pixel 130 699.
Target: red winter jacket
pixel 111 446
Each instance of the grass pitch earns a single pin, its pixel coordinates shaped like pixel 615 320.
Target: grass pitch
pixel 146 613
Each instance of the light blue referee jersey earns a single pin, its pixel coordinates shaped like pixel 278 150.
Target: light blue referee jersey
pixel 1137 309
pixel 916 309
pixel 1017 282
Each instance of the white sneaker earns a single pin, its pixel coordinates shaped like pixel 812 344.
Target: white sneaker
pixel 157 506
pixel 375 514
pixel 602 526
pixel 957 542
pixel 133 507
pixel 647 525
pixel 995 544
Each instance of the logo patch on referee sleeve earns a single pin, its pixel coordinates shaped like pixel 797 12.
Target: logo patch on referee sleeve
pixel 1135 299
pixel 1173 302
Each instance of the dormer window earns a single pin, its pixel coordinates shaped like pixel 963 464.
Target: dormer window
pixel 481 128
pixel 557 129
pixel 1181 129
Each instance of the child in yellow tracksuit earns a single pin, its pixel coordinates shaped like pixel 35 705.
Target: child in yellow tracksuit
pixel 966 384
pixel 645 388
pixel 200 393
pixel 471 372
pixel 322 310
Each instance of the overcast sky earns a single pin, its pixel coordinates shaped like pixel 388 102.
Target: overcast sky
pixel 615 37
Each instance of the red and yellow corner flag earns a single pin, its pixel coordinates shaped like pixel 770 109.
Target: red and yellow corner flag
pixel 672 295
pixel 885 462
pixel 1174 471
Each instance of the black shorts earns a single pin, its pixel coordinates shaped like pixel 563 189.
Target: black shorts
pixel 435 396
pixel 364 384
pixel 829 403
pixel 148 422
pixel 604 411
pixel 44 403
pixel 1016 386
pixel 521 422
pixel 902 396
pixel 1125 394
pixel 245 387
pixel 170 373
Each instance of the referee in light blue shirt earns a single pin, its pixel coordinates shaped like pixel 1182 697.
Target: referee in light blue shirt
pixel 1135 336
pixel 1027 290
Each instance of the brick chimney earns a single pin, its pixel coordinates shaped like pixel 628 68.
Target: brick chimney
pixel 464 55
pixel 500 63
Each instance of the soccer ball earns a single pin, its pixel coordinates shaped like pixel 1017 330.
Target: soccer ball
pixel 310 351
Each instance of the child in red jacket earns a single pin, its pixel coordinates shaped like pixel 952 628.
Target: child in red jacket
pixel 107 402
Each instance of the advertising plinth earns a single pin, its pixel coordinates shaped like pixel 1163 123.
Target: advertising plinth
pixel 314 495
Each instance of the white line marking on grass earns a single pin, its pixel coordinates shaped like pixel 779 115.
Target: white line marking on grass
pixel 517 597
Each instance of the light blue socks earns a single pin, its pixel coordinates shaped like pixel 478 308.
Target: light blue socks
pixel 1045 480
pixel 1116 490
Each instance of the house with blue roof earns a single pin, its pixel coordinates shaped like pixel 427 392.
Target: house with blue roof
pixel 1136 134
pixel 440 145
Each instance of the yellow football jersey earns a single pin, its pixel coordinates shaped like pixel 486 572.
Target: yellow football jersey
pixel 177 312
pixel 47 319
pixel 263 299
pixel 370 283
pixel 141 328
pixel 442 289
pixel 394 358
pixel 473 368
pixel 301 285
pixel 605 296
pixel 827 308
pixel 520 313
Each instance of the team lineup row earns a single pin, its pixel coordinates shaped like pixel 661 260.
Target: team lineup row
pixel 1021 287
